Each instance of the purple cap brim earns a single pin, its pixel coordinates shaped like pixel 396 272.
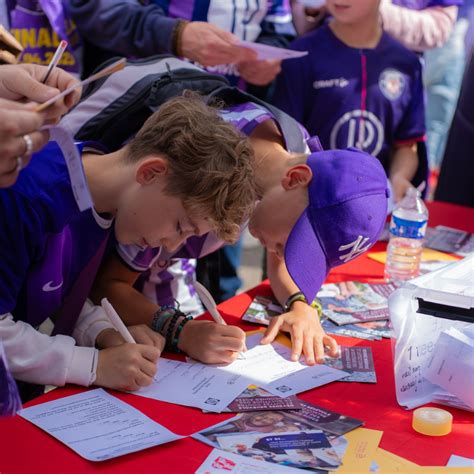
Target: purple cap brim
pixel 305 259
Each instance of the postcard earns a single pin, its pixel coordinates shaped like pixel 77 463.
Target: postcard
pixel 309 417
pixel 354 302
pixel 219 462
pixel 310 450
pixel 254 398
pixel 261 310
pixel 357 361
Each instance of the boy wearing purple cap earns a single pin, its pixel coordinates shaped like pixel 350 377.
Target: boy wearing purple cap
pixel 359 87
pixel 340 217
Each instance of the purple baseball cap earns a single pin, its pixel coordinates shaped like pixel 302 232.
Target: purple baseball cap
pixel 347 209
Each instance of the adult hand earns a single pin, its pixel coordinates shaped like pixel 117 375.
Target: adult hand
pixel 16 121
pixel 209 45
pixel 127 367
pixel 22 82
pixel 259 73
pixel 307 335
pixel 210 342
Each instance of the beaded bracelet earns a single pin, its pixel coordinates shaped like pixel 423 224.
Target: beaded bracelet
pixel 174 343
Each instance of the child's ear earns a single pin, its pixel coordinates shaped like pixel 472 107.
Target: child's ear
pixel 297 176
pixel 149 169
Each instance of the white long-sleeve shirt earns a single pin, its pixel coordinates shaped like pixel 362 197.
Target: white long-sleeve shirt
pixel 54 360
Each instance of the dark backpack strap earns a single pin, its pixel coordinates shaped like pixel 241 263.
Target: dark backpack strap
pixel 292 132
pixel 65 319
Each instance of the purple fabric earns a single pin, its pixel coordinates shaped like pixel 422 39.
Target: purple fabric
pixel 422 4
pixel 40 25
pixel 371 98
pixel 10 401
pixel 47 244
pixel 345 216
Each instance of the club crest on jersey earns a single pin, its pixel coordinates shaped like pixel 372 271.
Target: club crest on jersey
pixel 392 83
pixel 360 129
pixel 355 248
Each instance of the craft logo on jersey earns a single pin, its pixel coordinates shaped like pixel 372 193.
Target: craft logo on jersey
pixel 360 129
pixel 391 83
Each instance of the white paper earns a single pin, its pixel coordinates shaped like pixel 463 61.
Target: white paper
pixel 212 387
pixel 270 367
pixel 460 461
pixel 219 462
pixel 194 385
pixel 98 426
pixel 264 51
pixel 452 365
pixel 73 160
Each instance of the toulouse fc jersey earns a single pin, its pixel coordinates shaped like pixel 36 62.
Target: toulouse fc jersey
pixel 371 99
pixel 46 242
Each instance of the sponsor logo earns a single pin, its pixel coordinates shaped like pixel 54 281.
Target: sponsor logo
pixel 50 287
pixel 325 84
pixel 360 129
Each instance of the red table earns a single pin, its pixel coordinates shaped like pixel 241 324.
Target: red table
pixel 25 448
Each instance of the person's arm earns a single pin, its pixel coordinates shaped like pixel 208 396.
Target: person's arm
pixel 418 30
pixel 403 166
pixel 129 28
pixel 302 321
pixel 408 162
pixel 42 359
pixel 276 30
pixel 205 341
pixel 126 27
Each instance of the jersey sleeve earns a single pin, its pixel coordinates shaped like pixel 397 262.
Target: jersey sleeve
pixel 412 127
pixel 291 92
pixel 19 242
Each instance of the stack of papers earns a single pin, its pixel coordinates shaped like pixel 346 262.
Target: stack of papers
pixel 350 309
pixel 310 438
pixel 213 388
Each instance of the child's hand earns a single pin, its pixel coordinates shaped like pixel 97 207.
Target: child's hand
pixel 127 367
pixel 307 335
pixel 211 343
pixel 141 333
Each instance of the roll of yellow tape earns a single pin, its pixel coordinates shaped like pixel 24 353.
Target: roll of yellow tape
pixel 432 421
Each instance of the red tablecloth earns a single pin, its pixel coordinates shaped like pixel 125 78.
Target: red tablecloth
pixel 25 448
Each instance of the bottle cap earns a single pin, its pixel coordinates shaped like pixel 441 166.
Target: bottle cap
pixel 432 421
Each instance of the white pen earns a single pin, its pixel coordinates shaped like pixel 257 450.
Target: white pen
pixel 55 60
pixel 117 323
pixel 211 306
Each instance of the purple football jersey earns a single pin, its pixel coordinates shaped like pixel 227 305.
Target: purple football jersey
pixel 371 99
pixel 47 245
pixel 39 26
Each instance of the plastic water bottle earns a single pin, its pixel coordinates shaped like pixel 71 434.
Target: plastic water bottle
pixel 407 231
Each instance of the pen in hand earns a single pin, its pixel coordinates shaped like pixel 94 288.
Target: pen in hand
pixel 211 306
pixel 55 60
pixel 117 323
